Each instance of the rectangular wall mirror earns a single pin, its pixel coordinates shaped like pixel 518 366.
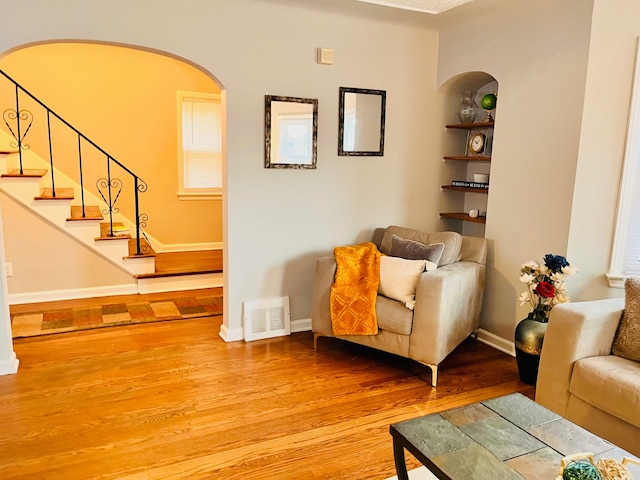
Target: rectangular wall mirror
pixel 291 132
pixel 361 122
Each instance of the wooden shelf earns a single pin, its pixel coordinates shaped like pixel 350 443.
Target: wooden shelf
pixel 470 159
pixel 463 216
pixel 466 189
pixel 471 126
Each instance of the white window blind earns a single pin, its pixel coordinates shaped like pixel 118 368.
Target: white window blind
pixel 201 144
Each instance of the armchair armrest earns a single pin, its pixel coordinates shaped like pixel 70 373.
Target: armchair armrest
pixel 320 309
pixel 575 331
pixel 448 304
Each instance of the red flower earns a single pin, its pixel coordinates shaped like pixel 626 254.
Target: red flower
pixel 546 290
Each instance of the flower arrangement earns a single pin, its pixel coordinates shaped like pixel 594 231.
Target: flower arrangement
pixel 545 285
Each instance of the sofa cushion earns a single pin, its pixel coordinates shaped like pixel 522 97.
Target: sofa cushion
pixel 626 343
pixel 412 250
pixel 452 241
pixel 609 383
pixel 393 316
pixel 399 278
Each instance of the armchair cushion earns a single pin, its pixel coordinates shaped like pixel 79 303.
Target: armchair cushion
pixel 399 277
pixel 626 343
pixel 452 242
pixel 412 250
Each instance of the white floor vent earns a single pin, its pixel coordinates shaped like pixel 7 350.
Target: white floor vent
pixel 266 318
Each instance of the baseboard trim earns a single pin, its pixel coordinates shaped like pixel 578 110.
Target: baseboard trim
pixel 10 366
pixel 191 247
pixel 496 342
pixel 230 335
pixel 301 325
pixel 55 295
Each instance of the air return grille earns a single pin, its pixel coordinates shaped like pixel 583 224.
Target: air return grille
pixel 266 318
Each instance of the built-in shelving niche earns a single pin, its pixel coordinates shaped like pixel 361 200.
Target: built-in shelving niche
pixel 456 202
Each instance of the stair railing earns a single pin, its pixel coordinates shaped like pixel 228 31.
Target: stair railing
pixel 19 122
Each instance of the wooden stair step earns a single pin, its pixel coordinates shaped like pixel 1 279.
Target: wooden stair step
pixel 26 173
pixel 147 251
pixel 7 151
pixel 60 194
pixel 171 264
pixel 105 232
pixel 90 213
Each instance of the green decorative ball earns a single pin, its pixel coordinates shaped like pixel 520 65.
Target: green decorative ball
pixel 581 471
pixel 489 101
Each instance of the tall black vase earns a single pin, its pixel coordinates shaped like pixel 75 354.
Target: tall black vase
pixel 528 340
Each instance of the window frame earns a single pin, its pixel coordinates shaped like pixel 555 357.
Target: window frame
pixel 629 192
pixel 196 193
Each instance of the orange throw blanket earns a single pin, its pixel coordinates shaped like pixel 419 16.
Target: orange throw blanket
pixel 354 291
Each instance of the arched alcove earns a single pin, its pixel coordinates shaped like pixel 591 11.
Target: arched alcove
pixel 460 164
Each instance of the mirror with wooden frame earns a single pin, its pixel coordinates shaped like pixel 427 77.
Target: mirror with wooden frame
pixel 290 132
pixel 361 122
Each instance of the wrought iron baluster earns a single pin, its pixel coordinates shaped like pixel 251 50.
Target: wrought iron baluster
pixel 53 179
pixel 84 213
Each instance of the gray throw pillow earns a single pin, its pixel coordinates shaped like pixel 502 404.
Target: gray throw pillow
pixel 626 343
pixel 412 250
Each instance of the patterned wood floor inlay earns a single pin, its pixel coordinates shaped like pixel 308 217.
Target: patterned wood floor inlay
pixel 58 320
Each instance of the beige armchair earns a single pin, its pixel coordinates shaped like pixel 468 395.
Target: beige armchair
pixel 447 307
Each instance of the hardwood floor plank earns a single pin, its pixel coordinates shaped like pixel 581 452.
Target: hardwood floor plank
pixel 173 400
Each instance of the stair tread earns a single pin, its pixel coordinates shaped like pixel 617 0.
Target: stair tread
pixel 171 264
pixel 90 213
pixel 26 173
pixel 147 251
pixel 61 194
pixel 105 233
pixel 8 151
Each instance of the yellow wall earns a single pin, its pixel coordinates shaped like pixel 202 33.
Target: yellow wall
pixel 125 101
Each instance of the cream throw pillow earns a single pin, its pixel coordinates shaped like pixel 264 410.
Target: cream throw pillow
pixel 627 340
pixel 399 278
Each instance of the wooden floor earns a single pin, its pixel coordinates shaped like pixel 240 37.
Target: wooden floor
pixel 172 400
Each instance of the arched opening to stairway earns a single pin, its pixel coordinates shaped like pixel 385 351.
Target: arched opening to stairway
pixel 124 99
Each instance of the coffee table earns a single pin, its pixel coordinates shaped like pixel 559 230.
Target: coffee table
pixel 509 437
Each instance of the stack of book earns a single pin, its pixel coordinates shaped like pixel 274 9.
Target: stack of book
pixel 120 231
pixel 464 183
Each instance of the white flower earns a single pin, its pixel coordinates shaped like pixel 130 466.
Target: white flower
pixel 558 277
pixel 560 298
pixel 569 270
pixel 544 270
pixel 530 264
pixel 527 278
pixel 525 297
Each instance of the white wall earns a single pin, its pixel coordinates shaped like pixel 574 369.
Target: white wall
pixel 537 50
pixel 606 109
pixel 279 221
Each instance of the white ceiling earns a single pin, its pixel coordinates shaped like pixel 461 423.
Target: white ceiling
pixel 426 6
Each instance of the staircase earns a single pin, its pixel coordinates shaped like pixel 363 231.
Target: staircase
pixel 94 221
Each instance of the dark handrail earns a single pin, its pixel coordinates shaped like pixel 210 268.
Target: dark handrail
pixel 109 183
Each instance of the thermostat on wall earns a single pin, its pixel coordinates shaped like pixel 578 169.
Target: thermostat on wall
pixel 325 56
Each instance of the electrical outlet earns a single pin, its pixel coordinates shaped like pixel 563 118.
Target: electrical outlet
pixel 8 268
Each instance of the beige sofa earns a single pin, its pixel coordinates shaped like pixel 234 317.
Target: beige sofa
pixel 581 380
pixel 447 307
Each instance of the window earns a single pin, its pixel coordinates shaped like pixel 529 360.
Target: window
pixel 200 145
pixel 625 258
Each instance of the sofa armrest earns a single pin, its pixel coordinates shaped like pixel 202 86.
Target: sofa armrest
pixel 575 331
pixel 320 308
pixel 448 304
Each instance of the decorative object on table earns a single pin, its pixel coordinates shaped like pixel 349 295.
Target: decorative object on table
pixel 581 466
pixel 488 103
pixel 468 109
pixel 545 289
